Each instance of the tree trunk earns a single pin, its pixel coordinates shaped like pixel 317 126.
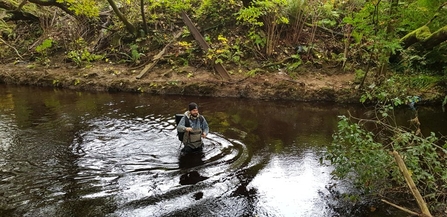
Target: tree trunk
pixel 143 17
pixel 130 28
pixel 393 10
pixel 414 36
pixel 7 5
pixel 62 6
pixel 246 3
pixel 204 45
pixel 425 37
pixel 20 15
pixel 389 34
pixel 435 39
pixel 16 13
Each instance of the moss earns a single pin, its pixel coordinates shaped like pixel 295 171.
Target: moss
pixel 422 33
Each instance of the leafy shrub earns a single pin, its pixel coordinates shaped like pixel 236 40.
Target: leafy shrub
pixel 43 50
pixel 81 56
pixel 364 157
pixel 225 51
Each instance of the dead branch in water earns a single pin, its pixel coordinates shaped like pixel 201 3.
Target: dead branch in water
pixel 420 200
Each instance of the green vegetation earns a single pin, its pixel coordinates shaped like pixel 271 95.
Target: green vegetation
pixel 381 38
pixel 269 14
pixel 43 50
pixel 361 152
pixel 80 55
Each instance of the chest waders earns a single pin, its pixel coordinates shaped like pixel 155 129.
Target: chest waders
pixel 193 139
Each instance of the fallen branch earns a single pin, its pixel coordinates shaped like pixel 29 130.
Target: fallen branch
pixel 401 208
pixel 220 69
pixel 277 63
pixel 17 52
pixel 157 57
pixel 412 186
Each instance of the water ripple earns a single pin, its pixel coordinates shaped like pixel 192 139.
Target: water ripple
pixel 137 161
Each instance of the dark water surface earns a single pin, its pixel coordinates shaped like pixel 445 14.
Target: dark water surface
pixel 66 153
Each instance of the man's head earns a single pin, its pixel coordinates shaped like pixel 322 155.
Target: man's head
pixel 193 109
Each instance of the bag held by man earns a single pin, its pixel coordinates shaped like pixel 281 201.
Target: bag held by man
pixel 179 117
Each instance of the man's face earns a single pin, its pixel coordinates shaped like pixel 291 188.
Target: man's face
pixel 195 112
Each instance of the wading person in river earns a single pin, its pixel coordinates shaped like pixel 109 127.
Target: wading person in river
pixel 194 127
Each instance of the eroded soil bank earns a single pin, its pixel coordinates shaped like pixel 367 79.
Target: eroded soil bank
pixel 317 85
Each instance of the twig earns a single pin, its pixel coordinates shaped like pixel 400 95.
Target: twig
pixel 277 63
pixel 326 29
pixel 18 54
pixel 401 208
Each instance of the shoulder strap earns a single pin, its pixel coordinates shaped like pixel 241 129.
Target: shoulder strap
pixel 201 119
pixel 187 124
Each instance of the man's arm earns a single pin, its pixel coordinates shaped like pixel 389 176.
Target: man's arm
pixel 205 127
pixel 181 125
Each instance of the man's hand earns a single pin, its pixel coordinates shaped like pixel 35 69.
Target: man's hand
pixel 188 129
pixel 203 135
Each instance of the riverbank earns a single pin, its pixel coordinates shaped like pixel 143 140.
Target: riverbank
pixel 314 85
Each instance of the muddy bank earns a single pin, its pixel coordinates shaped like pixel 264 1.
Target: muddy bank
pixel 314 86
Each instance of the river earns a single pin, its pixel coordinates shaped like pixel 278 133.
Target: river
pixel 68 153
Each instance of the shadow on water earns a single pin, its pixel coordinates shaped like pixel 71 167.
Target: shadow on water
pixel 65 153
pixel 190 160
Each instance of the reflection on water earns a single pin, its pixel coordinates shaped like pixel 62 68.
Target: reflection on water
pixel 65 153
pixel 296 174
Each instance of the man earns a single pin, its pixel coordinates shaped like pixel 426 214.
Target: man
pixel 195 127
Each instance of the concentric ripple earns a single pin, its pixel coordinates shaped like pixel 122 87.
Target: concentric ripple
pixel 137 162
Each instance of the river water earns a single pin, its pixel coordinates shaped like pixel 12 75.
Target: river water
pixel 67 153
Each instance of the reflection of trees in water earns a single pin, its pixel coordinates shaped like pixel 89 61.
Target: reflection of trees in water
pixel 61 118
pixel 259 123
